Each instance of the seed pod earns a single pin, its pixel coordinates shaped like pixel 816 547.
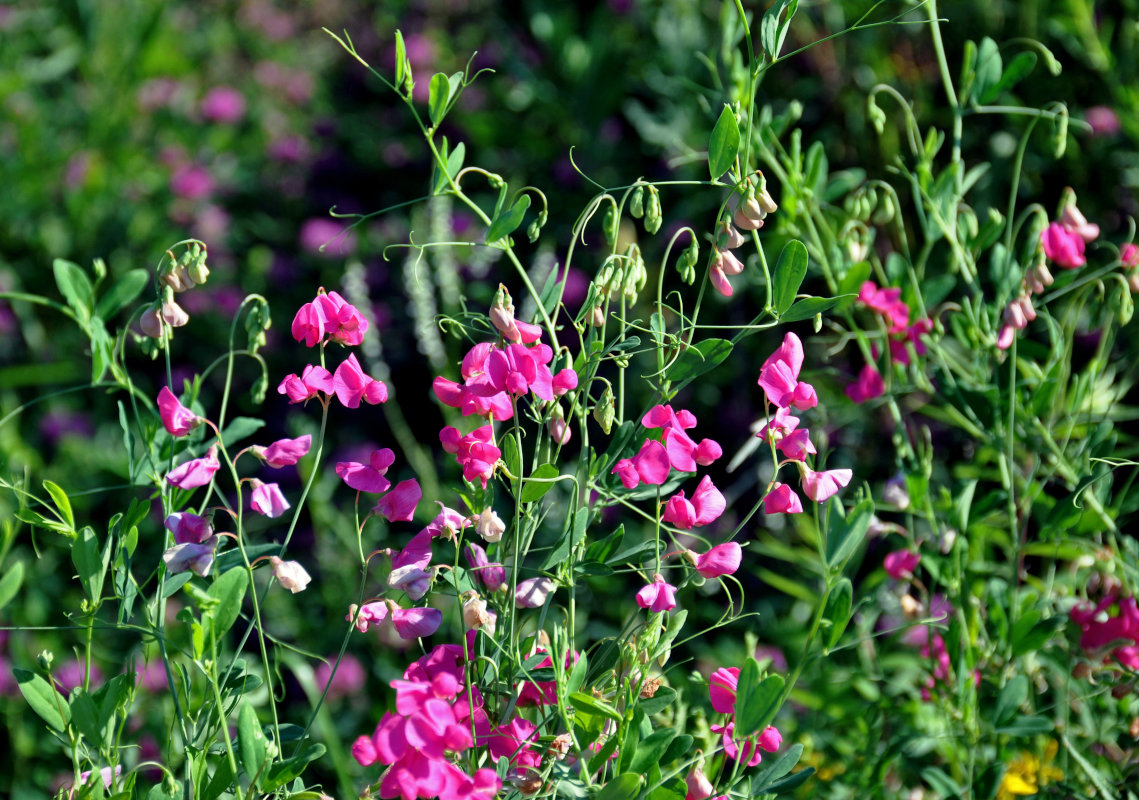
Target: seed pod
pixel 637 202
pixel 653 210
pixel 611 225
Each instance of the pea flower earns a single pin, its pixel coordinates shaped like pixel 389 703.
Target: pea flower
pixel 489 526
pixel 368 477
pixel 1063 247
pixel 352 385
pixel 399 504
pixel 290 574
pixel 781 499
pixel 284 452
pixel 706 506
pixel 722 688
pixel 491 574
pixel 650 465
pixel 868 386
pixel 268 499
pixel 723 559
pixel 532 592
pixel 658 595
pixel 901 563
pixel 313 380
pixel 821 486
pixel 197 472
pixel 176 418
pixel 779 377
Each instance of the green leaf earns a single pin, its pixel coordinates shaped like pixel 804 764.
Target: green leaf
pixel 845 535
pixel 663 698
pixel 723 144
pixel 1026 726
pixel 454 160
pixel 43 699
pixel 10 583
pixel 251 740
pixel 789 274
pixel 589 704
pixel 808 307
pixel 837 612
pixel 756 702
pixel 698 359
pixel 62 502
pixel 90 563
pixel 623 787
pixel 239 428
pixel 577 674
pixel 1017 70
pixel 284 771
pixel 940 782
pixel 567 544
pixel 85 716
pixel 510 455
pixel 776 770
pixel 400 60
pixel 228 590
pixel 651 748
pixel 506 223
pixel 1010 699
pixel 791 782
pixel 124 292
pixel 539 482
pixel 773 27
pixel 75 287
pixel 1030 632
pixel 438 95
pixel 989 69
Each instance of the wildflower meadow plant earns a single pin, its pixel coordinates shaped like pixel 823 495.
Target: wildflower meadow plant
pixel 555 594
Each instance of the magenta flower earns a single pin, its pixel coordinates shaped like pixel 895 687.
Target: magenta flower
pixel 192 182
pixel 723 559
pixel 188 528
pixel 796 445
pixel 650 465
pixel 416 552
pixel 887 302
pixel 782 500
pixel 1063 247
pixel 410 579
pixel 368 477
pixel 399 504
pixel 868 386
pixel 474 452
pixel 267 499
pixel 223 104
pixel 658 595
pixel 901 563
pixel 284 452
pixel 352 385
pixel 195 557
pixel 1129 255
pixel 195 473
pixel 329 315
pixel 821 486
pixel 176 418
pixel 313 380
pixel 722 688
pixel 564 381
pixel 491 573
pixel 706 506
pixel 779 377
pixel 416 623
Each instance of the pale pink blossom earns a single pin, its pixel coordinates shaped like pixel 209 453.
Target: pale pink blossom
pixel 821 486
pixel 267 499
pixel 532 592
pixel 290 574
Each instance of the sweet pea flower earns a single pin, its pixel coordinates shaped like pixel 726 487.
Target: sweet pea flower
pixel 706 506
pixel 416 623
pixel 901 563
pixel 868 386
pixel 176 418
pixel 267 499
pixel 1075 222
pixel 195 557
pixel 290 574
pixel 367 615
pixel 1063 247
pixel 782 500
pixel 658 595
pixel 796 445
pixel 779 377
pixel 722 688
pixel 197 472
pixel 313 380
pixel 352 385
pixel 399 504
pixel 650 465
pixel 489 525
pixel 821 486
pixel 887 302
pixel 698 785
pixel 368 477
pixel 564 381
pixel 284 452
pixel 410 579
pixel 1129 255
pixel 188 528
pixel 491 574
pixel 723 559
pixel 532 592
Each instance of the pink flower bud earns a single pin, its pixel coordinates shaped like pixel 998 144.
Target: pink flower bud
pixel 176 418
pixel 658 595
pixel 901 563
pixel 174 315
pixel 151 323
pixel 699 787
pixel 284 452
pixel 268 499
pixel 782 500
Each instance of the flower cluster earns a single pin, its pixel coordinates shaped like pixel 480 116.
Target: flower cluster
pixel 722 688
pixel 1107 626
pixel 779 378
pixel 435 721
pixel 887 302
pixel 750 210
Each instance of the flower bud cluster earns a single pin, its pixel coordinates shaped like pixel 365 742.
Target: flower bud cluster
pixel 175 275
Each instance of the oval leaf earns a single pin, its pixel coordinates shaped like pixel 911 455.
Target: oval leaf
pixel 11 582
pixel 723 144
pixel 756 701
pixel 229 591
pixel 622 787
pixel 539 483
pixel 506 223
pixel 250 740
pixel 837 611
pixel 789 274
pixel 808 307
pixel 438 95
pixel 43 699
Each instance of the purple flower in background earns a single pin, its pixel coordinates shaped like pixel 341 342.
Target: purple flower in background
pixel 349 679
pixel 328 233
pixel 192 182
pixel 70 674
pixel 1103 119
pixel 223 104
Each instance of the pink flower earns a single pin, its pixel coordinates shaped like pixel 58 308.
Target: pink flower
pixel 1103 119
pixel 352 385
pixel 1129 255
pixel 564 381
pixel 349 678
pixel 782 500
pixel 1075 222
pixel 722 688
pixel 176 418
pixel 779 377
pixel 492 574
pixel 887 302
pixel 796 445
pixel 532 592
pixel 650 465
pixel 195 473
pixel 192 182
pixel 290 574
pixel 284 452
pixel 410 579
pixel 329 315
pixel 868 386
pixel 223 104
pixel 706 506
pixel 195 557
pixel 326 237
pixel 267 499
pixel 821 486
pixel 901 563
pixel 723 559
pixel 368 477
pixel 1063 247
pixel 399 504
pixel 698 785
pixel 474 452
pixel 313 380
pixel 416 623
pixel 367 615
pixel 189 528
pixel 658 595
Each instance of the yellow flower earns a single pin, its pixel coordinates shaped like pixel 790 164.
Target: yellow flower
pixel 1026 773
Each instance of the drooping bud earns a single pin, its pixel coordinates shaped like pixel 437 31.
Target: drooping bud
pixel 502 315
pixel 489 526
pixel 151 323
pixel 558 427
pixel 611 225
pixel 476 616
pixel 605 412
pixel 637 201
pixel 653 216
pixel 291 574
pixel 727 237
